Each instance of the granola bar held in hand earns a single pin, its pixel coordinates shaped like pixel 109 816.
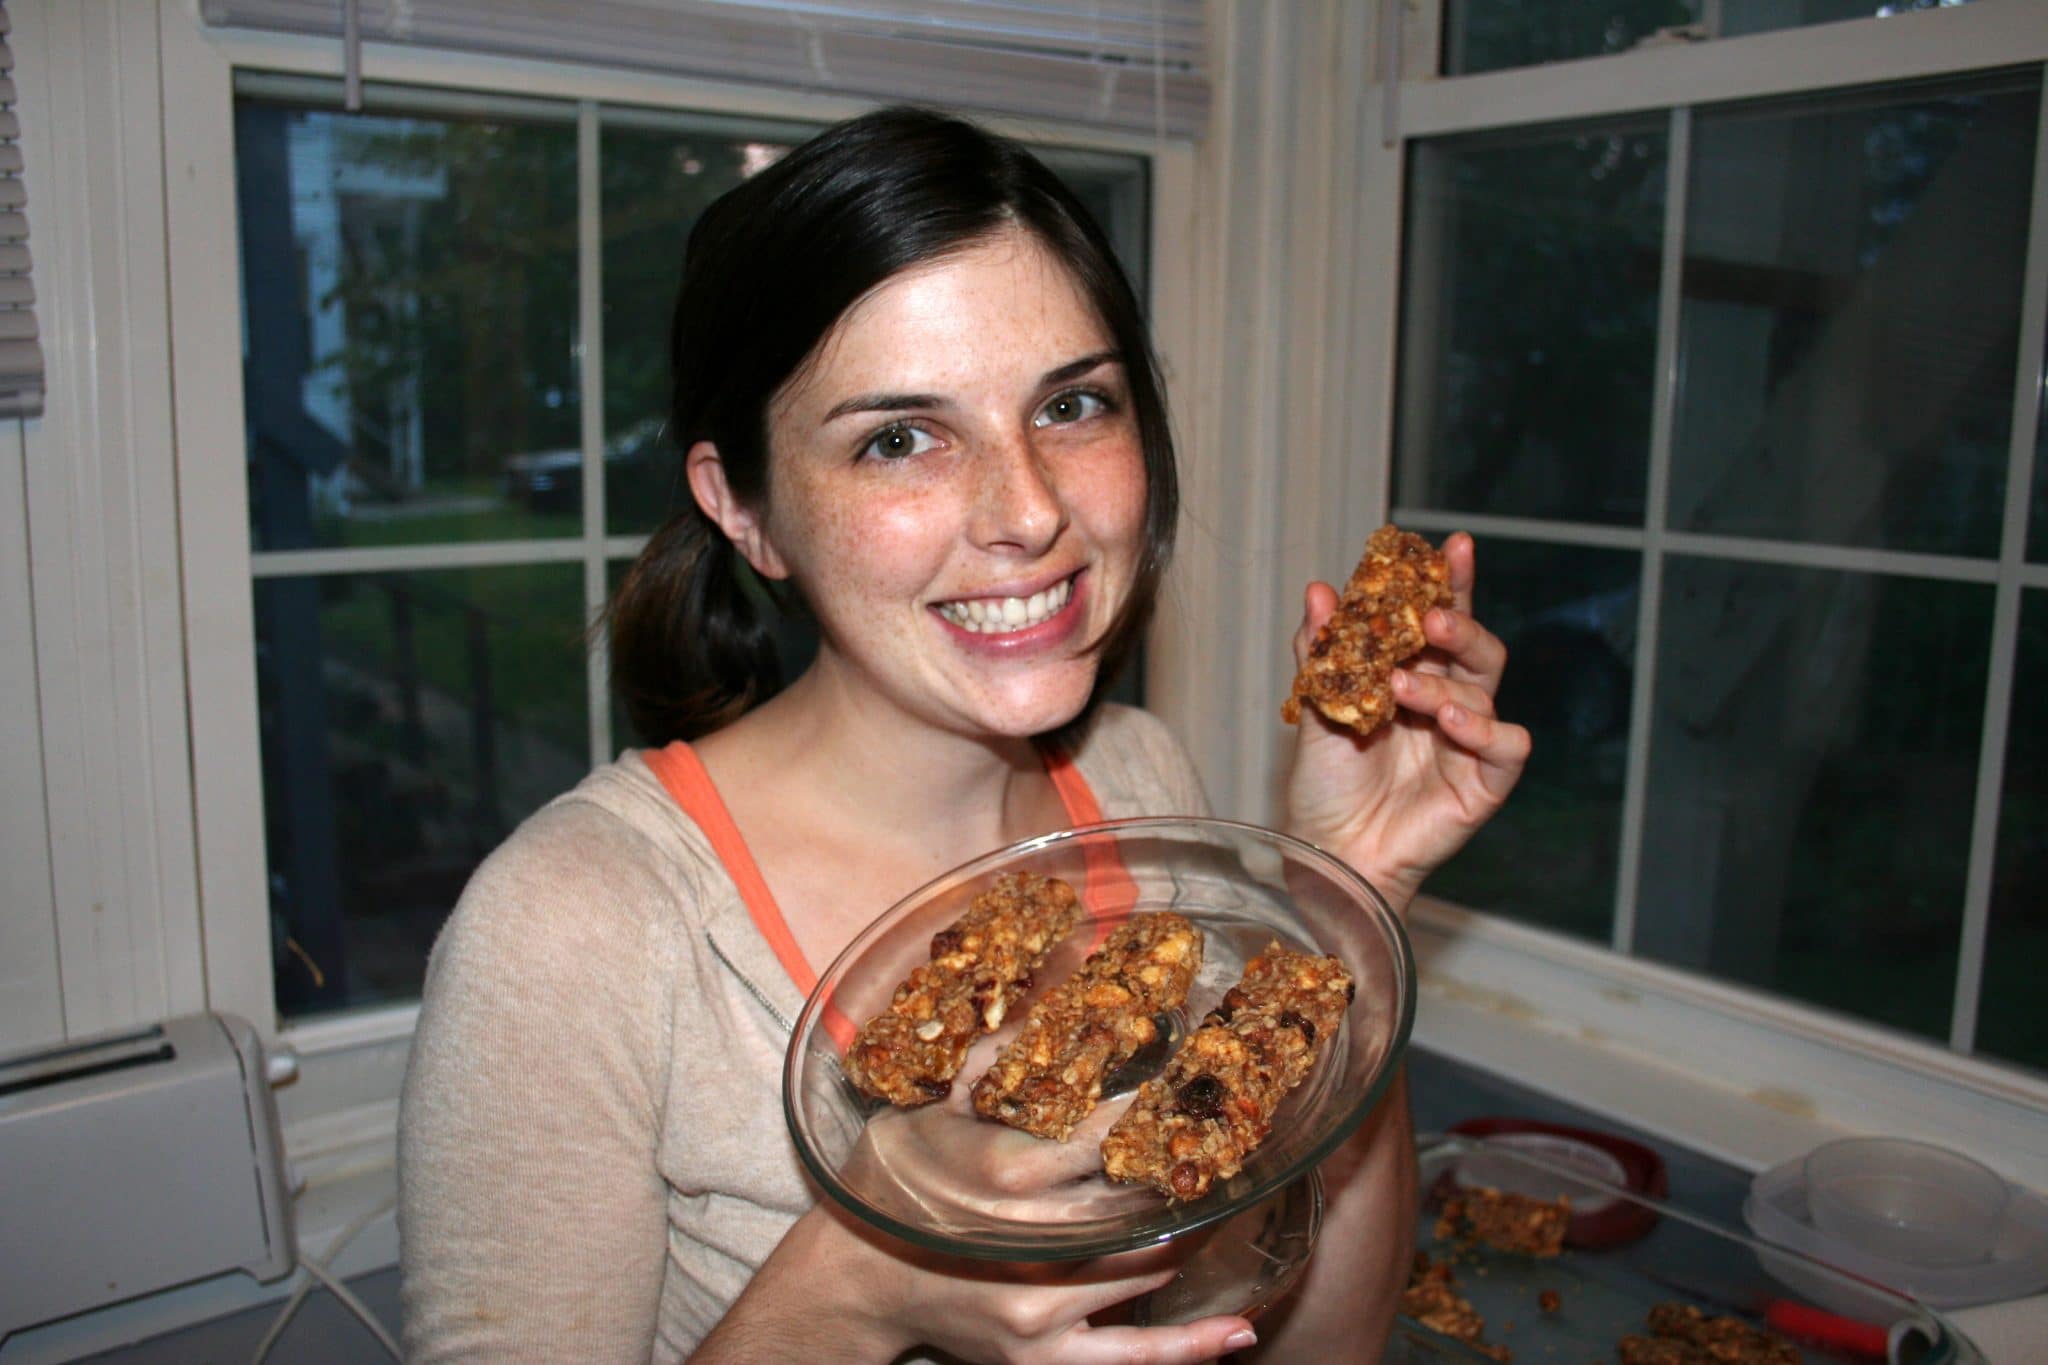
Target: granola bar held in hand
pixel 1197 1122
pixel 1376 628
pixel 910 1053
pixel 1050 1075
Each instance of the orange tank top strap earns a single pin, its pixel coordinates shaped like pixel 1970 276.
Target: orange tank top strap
pixel 1110 893
pixel 682 774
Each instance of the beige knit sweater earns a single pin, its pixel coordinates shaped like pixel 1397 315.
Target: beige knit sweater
pixel 573 1185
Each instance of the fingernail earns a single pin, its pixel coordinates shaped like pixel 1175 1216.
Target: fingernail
pixel 1454 714
pixel 1400 680
pixel 1242 1340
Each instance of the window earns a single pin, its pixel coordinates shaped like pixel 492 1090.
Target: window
pixel 455 373
pixel 1492 35
pixel 1734 395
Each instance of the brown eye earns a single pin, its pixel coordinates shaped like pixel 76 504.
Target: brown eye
pixel 1073 406
pixel 898 441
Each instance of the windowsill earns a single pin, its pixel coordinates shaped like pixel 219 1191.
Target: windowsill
pixel 1737 1075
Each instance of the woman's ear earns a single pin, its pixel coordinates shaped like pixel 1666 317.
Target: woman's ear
pixel 740 523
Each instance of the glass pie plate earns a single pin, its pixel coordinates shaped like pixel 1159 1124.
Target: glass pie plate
pixel 945 1179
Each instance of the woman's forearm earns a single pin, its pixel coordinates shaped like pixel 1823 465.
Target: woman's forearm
pixel 1344 1307
pixel 797 1306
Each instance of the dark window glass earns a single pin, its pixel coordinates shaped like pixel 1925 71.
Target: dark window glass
pixel 2012 1022
pixel 1490 35
pixel 1487 35
pixel 657 179
pixel 1761 16
pixel 1529 323
pixel 409 721
pixel 2037 537
pixel 1851 317
pixel 1568 616
pixel 409 295
pixel 1812 768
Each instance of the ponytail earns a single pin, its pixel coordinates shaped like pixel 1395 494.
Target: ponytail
pixel 691 646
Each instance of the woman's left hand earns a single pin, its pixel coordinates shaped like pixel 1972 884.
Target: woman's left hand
pixel 1398 803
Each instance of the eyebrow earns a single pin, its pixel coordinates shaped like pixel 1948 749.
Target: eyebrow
pixel 910 402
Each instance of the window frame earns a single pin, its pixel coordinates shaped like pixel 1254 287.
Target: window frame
pixel 1537 1004
pixel 349 1064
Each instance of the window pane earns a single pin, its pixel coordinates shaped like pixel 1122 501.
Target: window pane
pixel 1487 35
pixel 2037 537
pixel 1529 324
pixel 1761 16
pixel 656 182
pixel 409 721
pixel 2011 1020
pixel 1812 769
pixel 409 287
pixel 1851 315
pixel 1568 616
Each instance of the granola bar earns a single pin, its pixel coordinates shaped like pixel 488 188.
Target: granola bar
pixel 1506 1221
pixel 1376 627
pixel 1432 1299
pixel 910 1053
pixel 1196 1122
pixel 1050 1075
pixel 1680 1327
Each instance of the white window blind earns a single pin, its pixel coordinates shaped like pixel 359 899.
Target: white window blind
pixel 21 359
pixel 1134 64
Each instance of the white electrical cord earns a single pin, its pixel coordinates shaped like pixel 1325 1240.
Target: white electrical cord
pixel 317 1273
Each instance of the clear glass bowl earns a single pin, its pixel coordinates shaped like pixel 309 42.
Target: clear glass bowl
pixel 943 1178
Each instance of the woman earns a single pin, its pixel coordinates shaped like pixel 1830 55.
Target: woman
pixel 914 393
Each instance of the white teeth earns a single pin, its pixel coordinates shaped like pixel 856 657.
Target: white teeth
pixel 1000 615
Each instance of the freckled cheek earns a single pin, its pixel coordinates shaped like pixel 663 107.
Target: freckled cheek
pixel 860 544
pixel 1110 496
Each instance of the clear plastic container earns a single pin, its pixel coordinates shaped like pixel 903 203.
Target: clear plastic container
pixel 1906 1201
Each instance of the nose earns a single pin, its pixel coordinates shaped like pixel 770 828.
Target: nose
pixel 1019 510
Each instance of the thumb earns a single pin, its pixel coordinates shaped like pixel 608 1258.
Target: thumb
pixel 1316 605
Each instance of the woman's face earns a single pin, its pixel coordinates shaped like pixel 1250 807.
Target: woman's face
pixel 957 486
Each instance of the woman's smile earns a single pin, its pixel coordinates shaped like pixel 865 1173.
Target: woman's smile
pixel 1014 614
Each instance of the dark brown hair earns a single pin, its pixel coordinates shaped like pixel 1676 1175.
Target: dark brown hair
pixel 769 269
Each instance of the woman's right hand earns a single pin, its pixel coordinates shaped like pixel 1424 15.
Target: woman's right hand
pixel 840 1290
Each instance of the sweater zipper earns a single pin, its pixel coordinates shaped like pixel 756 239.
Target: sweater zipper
pixel 748 982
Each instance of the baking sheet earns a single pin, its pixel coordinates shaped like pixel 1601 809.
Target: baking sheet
pixel 1607 1294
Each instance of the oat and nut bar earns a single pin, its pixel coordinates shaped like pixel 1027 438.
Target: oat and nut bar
pixel 910 1053
pixel 1049 1077
pixel 1376 627
pixel 1505 1221
pixel 1432 1299
pixel 1680 1327
pixel 1196 1122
